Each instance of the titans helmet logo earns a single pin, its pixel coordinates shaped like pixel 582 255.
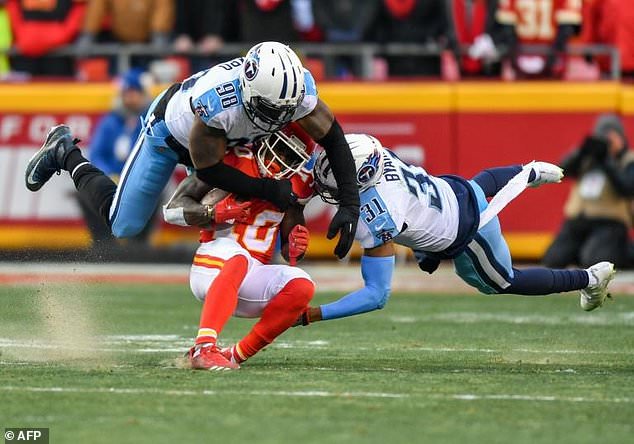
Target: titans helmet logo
pixel 369 168
pixel 365 174
pixel 250 68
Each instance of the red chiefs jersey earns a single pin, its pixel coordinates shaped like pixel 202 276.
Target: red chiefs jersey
pixel 259 233
pixel 536 21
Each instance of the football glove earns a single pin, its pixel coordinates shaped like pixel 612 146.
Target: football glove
pixel 298 240
pixel 229 209
pixel 344 222
pixel 425 262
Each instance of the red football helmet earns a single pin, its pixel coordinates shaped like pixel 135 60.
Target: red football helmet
pixel 284 152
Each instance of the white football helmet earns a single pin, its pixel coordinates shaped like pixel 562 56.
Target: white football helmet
pixel 367 153
pixel 285 152
pixel 272 84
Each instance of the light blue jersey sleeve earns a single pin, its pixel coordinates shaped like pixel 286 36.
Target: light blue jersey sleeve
pixel 377 275
pixel 376 224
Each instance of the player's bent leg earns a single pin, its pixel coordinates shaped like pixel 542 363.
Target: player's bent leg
pixel 492 180
pixel 486 262
pixel 486 265
pixel 144 176
pixel 217 272
pixel 280 293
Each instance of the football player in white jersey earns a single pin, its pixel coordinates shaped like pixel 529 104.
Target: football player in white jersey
pixel 193 123
pixel 441 218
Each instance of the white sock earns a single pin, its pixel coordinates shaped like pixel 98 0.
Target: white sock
pixel 592 279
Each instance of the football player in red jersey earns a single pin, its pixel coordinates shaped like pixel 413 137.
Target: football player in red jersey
pixel 231 272
pixel 546 22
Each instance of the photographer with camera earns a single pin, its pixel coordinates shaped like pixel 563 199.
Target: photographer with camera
pixel 598 212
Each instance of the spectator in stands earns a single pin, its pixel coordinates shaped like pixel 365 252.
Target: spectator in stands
pixel 304 21
pixel 138 21
pixel 112 142
pixel 538 22
pixel 473 25
pixel 41 27
pixel 199 25
pixel 416 21
pixel 611 22
pixel 345 21
pixel 266 20
pixel 599 208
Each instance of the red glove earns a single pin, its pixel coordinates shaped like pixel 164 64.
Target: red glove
pixel 298 240
pixel 228 208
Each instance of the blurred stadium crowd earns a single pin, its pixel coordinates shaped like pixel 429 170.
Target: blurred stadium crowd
pixel 445 39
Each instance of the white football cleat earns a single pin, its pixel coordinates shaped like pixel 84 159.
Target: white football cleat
pixel 546 173
pixel 593 296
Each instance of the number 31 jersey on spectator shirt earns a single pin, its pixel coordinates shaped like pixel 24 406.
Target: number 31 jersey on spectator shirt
pixel 214 95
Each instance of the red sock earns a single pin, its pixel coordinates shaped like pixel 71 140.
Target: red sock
pixel 278 316
pixel 221 299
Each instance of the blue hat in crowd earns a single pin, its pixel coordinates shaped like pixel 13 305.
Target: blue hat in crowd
pixel 132 80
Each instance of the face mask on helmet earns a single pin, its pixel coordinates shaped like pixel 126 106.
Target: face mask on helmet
pixel 272 85
pixel 284 152
pixel 367 153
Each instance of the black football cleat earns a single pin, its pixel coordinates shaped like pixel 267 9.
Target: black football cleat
pixel 50 157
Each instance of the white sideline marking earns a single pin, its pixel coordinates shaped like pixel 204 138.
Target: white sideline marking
pixel 505 397
pixel 320 394
pixel 141 391
pixel 177 344
pixel 520 350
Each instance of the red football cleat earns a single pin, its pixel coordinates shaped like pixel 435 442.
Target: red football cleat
pixel 230 354
pixel 210 358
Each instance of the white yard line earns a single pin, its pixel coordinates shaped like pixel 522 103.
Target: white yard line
pixel 177 344
pixel 606 318
pixel 167 392
pixel 533 398
pixel 319 394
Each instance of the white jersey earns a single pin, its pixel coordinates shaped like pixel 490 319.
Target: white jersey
pixel 408 206
pixel 215 96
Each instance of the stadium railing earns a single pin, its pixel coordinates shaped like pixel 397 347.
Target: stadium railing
pixel 364 53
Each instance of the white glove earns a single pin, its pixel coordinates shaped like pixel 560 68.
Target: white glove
pixel 483 48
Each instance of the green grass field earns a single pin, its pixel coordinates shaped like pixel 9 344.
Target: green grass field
pixel 101 364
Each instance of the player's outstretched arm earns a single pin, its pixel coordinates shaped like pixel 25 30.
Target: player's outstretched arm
pixel 207 147
pixel 322 126
pixel 377 265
